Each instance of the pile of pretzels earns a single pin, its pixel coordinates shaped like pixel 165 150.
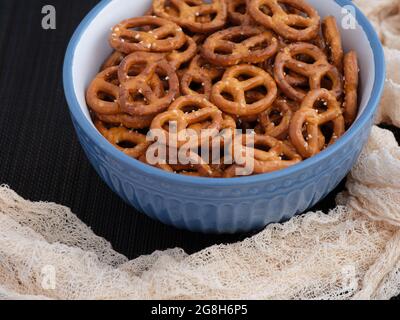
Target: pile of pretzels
pixel 269 66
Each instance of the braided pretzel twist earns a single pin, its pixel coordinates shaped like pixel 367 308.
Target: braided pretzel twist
pixel 194 15
pixel 232 84
pixel 315 71
pixel 256 46
pixel 310 119
pixel 285 23
pixel 152 100
pixel 165 37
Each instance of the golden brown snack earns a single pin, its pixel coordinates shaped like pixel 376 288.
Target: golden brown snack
pixel 195 15
pixel 113 60
pixel 280 155
pixel 316 70
pixel 230 93
pixel 333 40
pixel 240 44
pixel 292 26
pixel 187 66
pixel 351 76
pixel 305 126
pixel 200 77
pixel 238 12
pixel 185 112
pixel 102 95
pixel 182 55
pixel 275 121
pixel 129 142
pixel 161 35
pixel 138 93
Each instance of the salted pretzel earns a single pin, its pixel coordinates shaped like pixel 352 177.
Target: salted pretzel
pixel 351 75
pixel 185 112
pixel 292 78
pixel 195 74
pixel 230 93
pixel 201 74
pixel 240 44
pixel 238 12
pixel 182 55
pixel 196 167
pixel 195 15
pixel 228 127
pixel 129 142
pixel 103 98
pixel 166 35
pixel 305 127
pixel 137 95
pixel 103 95
pixel 292 26
pixel 275 121
pixel 113 60
pixel 333 40
pixel 280 155
pixel 315 71
pixel 126 120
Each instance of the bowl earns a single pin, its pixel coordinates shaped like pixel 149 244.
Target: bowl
pixel 219 205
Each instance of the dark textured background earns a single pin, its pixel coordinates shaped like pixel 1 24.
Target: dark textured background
pixel 40 156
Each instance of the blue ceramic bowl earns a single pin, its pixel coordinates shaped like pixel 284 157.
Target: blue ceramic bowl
pixel 219 205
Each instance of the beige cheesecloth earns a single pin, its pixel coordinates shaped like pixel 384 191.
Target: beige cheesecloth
pixel 352 253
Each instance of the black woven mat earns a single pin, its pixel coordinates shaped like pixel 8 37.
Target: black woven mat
pixel 40 156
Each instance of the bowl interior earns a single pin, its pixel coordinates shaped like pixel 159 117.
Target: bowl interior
pixel 93 48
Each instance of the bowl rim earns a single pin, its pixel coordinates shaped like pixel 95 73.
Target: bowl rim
pixel 89 129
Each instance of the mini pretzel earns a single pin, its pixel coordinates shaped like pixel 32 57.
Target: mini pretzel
pixel 351 75
pixel 293 79
pixel 151 101
pixel 285 23
pixel 310 119
pixel 190 13
pixel 334 41
pixel 182 55
pixel 233 85
pixel 280 155
pixel 103 93
pixel 185 112
pixel 196 167
pixel 113 60
pixel 276 120
pixel 238 12
pixel 203 74
pixel 137 142
pixel 167 36
pixel 126 120
pixel 240 44
pixel 315 71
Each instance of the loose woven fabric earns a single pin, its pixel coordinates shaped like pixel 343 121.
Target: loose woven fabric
pixel 352 253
